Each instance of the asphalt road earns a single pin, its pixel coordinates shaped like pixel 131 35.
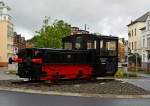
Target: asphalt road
pixel 24 99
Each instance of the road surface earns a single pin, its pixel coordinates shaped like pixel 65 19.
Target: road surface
pixel 24 99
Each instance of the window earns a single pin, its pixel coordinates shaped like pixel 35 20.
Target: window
pixel 10 31
pixel 91 44
pixel 129 45
pixel 143 42
pixel 148 42
pixel 129 34
pixel 108 45
pixel 68 45
pixel 132 45
pixel 135 44
pixel 78 46
pixel 135 32
pixel 111 45
pixel 132 32
pixel 78 43
pixel 101 44
pixel 143 57
pixel 108 48
pixel 148 27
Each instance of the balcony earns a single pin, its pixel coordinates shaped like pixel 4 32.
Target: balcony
pixel 146 48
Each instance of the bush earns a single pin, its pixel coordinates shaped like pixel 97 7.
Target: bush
pixel 132 74
pixel 120 73
pixel 133 69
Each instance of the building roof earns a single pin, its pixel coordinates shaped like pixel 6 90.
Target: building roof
pixel 90 36
pixel 140 19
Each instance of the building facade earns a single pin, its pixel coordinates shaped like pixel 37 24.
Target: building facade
pixel 146 44
pixel 6 34
pixel 19 41
pixel 76 30
pixel 135 34
pixel 122 50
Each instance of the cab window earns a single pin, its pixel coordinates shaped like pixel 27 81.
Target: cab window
pixel 78 43
pixel 68 45
pixel 91 44
pixel 108 48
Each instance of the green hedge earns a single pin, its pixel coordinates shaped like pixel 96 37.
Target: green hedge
pixel 121 74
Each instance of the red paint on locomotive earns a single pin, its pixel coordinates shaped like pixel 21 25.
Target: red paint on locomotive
pixel 66 71
pixel 17 60
pixel 38 60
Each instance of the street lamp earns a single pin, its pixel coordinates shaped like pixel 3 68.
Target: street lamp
pixel 136 60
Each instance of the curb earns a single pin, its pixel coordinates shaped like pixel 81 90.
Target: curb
pixel 56 93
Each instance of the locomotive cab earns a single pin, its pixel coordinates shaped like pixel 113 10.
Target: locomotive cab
pixel 106 51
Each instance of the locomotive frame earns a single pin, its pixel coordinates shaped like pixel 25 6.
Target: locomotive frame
pixel 83 56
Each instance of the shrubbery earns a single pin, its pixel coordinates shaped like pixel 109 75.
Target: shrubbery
pixel 121 74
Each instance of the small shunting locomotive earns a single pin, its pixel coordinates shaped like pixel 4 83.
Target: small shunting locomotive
pixel 82 56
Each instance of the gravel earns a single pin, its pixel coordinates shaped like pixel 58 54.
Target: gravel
pixel 103 86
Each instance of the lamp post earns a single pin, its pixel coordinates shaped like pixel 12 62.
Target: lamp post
pixel 136 66
pixel 136 62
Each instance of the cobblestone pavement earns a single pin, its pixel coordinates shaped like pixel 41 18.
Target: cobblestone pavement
pixel 124 88
pixel 142 82
pixel 81 86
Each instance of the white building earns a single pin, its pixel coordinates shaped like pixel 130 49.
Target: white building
pixel 146 44
pixel 135 35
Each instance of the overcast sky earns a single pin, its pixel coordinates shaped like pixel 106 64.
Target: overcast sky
pixel 101 16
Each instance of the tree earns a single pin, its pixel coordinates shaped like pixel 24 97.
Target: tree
pixel 121 52
pixel 132 58
pixel 50 36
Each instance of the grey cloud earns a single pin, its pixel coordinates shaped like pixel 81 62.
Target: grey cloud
pixel 104 16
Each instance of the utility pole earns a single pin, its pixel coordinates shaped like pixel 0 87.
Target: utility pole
pixel 85 27
pixel 136 57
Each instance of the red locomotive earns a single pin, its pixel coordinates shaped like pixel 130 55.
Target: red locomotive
pixel 82 57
